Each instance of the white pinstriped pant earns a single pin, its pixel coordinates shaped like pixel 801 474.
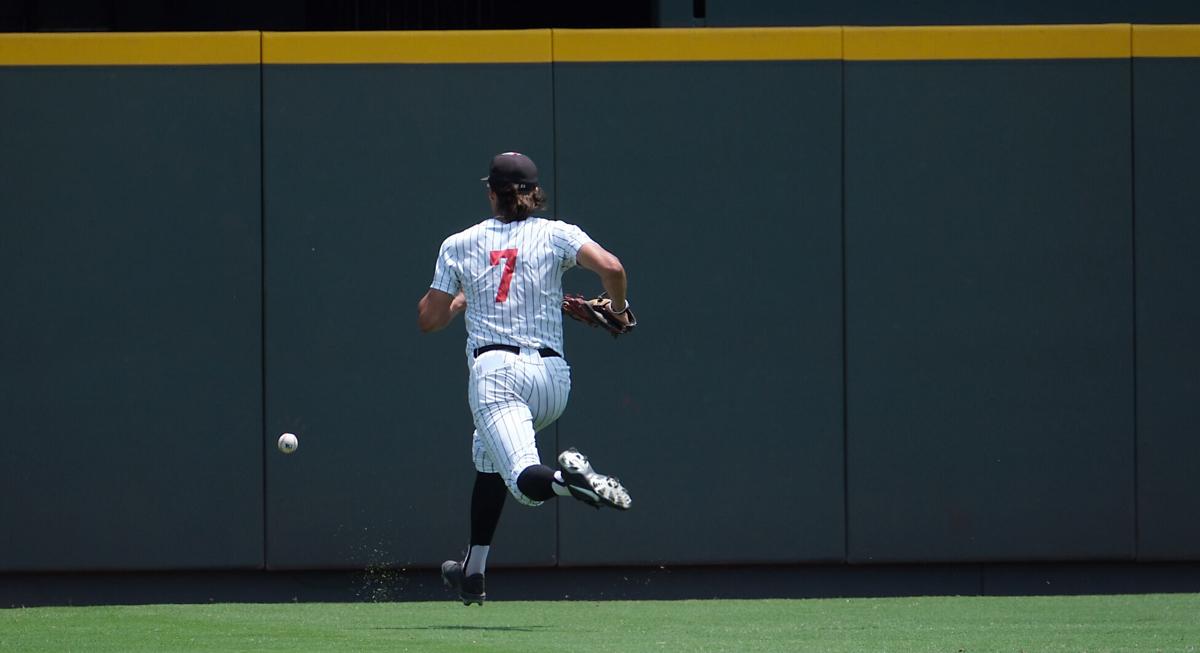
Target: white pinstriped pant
pixel 512 397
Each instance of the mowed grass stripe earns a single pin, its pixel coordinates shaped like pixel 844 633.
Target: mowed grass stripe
pixel 970 624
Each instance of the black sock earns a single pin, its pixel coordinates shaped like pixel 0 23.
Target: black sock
pixel 536 482
pixel 487 500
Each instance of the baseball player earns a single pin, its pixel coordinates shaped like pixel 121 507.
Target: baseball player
pixel 506 274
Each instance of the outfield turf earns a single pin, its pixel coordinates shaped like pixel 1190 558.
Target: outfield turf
pixel 1161 622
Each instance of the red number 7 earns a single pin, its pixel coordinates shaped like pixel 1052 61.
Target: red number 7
pixel 510 266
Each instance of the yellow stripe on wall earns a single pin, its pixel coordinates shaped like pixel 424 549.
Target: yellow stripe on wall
pixel 567 45
pixel 1166 41
pixel 987 42
pixel 701 44
pixel 130 49
pixel 476 46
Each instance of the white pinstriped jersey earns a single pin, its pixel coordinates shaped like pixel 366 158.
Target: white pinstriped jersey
pixel 511 275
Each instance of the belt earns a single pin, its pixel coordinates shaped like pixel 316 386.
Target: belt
pixel 545 352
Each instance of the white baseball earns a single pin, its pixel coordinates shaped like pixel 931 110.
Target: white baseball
pixel 288 442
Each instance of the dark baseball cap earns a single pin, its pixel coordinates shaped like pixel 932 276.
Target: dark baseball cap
pixel 512 168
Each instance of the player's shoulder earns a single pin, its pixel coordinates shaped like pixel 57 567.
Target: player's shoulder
pixel 559 234
pixel 555 224
pixel 467 235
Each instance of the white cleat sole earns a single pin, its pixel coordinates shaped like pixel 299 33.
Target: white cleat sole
pixel 591 487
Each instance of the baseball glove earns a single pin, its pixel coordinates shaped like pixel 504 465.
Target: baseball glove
pixel 597 312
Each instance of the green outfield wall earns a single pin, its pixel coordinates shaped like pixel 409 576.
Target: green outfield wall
pixel 907 294
pixel 989 303
pixel 712 199
pixel 131 370
pixel 1167 246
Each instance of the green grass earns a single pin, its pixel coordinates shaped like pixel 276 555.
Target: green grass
pixel 943 624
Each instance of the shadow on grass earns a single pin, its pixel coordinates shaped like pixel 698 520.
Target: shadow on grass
pixel 517 629
pixel 660 583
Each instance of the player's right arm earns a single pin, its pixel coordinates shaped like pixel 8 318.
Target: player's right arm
pixel 608 267
pixel 437 308
pixel 444 299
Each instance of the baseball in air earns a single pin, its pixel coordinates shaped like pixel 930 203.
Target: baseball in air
pixel 288 442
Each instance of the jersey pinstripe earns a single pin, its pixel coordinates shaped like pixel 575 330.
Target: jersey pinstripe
pixel 511 276
pixel 512 397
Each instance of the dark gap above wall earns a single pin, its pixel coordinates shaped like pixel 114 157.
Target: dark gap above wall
pixel 321 15
pixel 317 15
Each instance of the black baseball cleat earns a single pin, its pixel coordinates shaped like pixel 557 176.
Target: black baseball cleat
pixel 470 588
pixel 589 487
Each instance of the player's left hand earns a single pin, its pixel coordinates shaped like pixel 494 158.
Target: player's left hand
pixel 598 312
